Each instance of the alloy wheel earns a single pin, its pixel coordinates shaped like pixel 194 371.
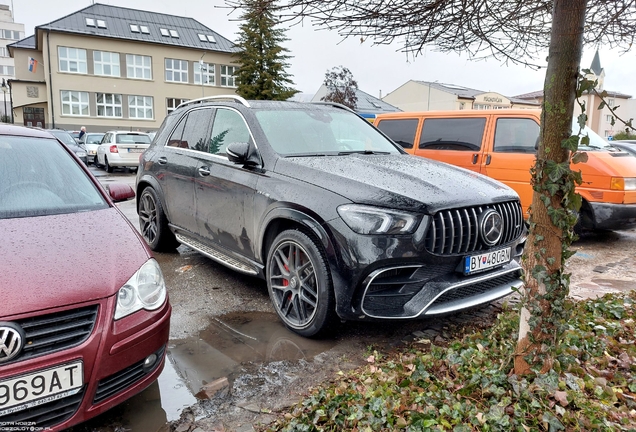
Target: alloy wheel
pixel 148 217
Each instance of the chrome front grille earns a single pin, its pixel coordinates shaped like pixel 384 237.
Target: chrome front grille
pixel 56 331
pixel 456 231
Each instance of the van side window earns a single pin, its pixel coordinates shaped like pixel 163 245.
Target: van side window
pixel 400 131
pixel 463 134
pixel 516 135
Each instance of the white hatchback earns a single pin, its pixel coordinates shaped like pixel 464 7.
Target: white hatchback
pixel 121 149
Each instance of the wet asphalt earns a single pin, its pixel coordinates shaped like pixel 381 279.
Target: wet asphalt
pixel 223 321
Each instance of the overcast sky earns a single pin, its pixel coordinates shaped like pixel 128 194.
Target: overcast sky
pixel 376 68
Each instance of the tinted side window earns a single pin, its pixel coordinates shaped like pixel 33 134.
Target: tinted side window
pixel 400 131
pixel 228 127
pixel 463 134
pixel 195 134
pixel 516 135
pixel 175 138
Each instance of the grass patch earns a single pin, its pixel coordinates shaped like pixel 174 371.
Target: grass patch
pixel 467 383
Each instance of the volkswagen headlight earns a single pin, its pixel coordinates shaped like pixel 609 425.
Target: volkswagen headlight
pixel 146 289
pixel 373 220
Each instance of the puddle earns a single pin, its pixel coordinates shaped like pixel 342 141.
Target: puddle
pixel 229 346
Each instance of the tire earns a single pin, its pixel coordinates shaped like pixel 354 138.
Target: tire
pixel 107 167
pixel 300 285
pixel 153 223
pixel 96 162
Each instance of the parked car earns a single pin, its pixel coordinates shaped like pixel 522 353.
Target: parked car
pixel 70 142
pixel 121 149
pixel 84 323
pixel 502 144
pixel 75 135
pixel 91 141
pixel 340 222
pixel 628 146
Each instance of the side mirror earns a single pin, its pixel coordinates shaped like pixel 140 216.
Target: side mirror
pixel 238 152
pixel 120 191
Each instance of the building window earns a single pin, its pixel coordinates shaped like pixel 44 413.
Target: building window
pixel 144 29
pixel 138 66
pixel 101 23
pixel 72 60
pixel 205 71
pixel 609 118
pixel 174 33
pixel 106 63
pixel 3 52
pixel 610 102
pixel 172 103
pixel 608 133
pixel 134 28
pixel 7 70
pixel 140 107
pixel 227 76
pixel 176 70
pixel 462 105
pixel 74 103
pixel 108 105
pixel 164 32
pixel 11 34
pixel 482 107
pixel 90 22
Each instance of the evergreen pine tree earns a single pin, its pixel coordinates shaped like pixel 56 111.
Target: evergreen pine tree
pixel 261 74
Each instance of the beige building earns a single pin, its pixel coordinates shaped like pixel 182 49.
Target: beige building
pixel 599 120
pixel 107 67
pixel 427 96
pixel 9 32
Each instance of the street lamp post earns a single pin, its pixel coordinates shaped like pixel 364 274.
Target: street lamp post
pixel 4 93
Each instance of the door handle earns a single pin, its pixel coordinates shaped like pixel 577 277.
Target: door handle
pixel 162 160
pixel 475 157
pixel 488 157
pixel 204 171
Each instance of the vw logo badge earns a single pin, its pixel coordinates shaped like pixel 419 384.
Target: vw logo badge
pixel 491 227
pixel 11 341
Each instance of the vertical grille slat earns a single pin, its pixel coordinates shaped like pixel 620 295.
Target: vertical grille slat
pixel 456 231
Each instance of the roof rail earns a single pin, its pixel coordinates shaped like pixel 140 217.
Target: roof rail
pixel 235 98
pixel 333 104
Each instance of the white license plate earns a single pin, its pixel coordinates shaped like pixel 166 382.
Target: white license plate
pixel 130 150
pixel 26 391
pixel 476 263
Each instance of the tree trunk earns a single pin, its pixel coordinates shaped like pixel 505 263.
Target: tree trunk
pixel 546 288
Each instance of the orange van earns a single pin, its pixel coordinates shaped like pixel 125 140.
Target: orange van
pixel 502 144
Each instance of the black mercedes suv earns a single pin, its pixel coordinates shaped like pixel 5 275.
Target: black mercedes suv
pixel 339 221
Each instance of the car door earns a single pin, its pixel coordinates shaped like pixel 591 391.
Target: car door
pixel 101 149
pixel 456 140
pixel 512 153
pixel 178 164
pixel 224 191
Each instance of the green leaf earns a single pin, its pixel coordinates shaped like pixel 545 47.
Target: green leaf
pixel 579 157
pixel 602 105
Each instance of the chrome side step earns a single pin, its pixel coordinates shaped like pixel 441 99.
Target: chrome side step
pixel 217 256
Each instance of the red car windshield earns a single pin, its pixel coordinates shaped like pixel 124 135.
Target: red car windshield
pixel 38 178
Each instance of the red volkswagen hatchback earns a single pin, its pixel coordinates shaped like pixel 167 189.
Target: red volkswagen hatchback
pixel 84 322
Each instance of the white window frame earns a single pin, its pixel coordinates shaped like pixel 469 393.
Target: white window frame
pixel 228 77
pixel 76 56
pixel 209 74
pixel 90 22
pixel 138 70
pixel 608 118
pixel 173 33
pixel 106 60
pixel 173 103
pixel 81 103
pixel 101 24
pixel 164 32
pixel 141 107
pixel 109 100
pixel 176 71
pixel 610 102
pixel 144 29
pixel 134 28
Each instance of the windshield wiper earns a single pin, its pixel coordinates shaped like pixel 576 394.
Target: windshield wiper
pixel 366 152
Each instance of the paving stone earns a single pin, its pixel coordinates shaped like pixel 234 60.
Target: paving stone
pixel 600 269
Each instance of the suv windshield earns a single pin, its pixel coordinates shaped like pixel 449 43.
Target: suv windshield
pixel 38 178
pixel 312 131
pixel 132 139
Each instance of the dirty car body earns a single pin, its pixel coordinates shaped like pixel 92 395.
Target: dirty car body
pixel 339 221
pixel 83 324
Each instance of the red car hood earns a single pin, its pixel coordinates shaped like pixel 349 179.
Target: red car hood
pixel 52 261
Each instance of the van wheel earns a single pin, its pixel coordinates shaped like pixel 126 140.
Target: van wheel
pixel 299 284
pixel 153 223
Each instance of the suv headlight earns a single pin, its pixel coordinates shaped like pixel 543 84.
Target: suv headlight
pixel 146 289
pixel 373 220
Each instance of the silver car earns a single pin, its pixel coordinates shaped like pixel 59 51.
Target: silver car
pixel 121 149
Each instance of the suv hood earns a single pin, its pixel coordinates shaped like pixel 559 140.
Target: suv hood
pixel 51 261
pixel 397 181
